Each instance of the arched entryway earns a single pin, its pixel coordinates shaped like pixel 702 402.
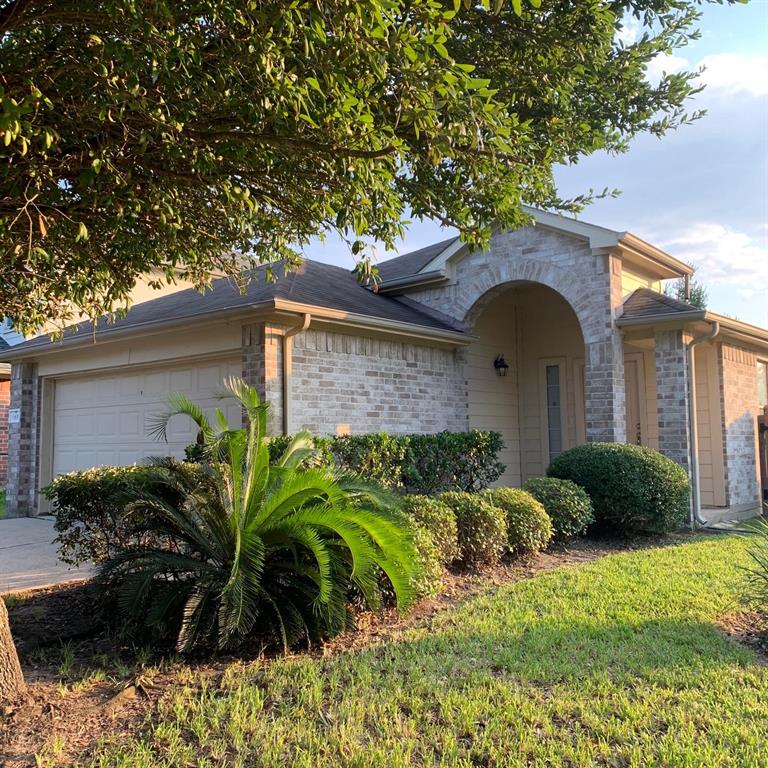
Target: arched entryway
pixel 538 406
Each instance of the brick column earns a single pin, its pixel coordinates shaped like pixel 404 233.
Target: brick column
pixel 5 402
pixel 604 391
pixel 262 353
pixel 737 368
pixel 21 490
pixel 672 396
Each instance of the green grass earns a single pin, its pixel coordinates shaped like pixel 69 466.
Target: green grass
pixel 2 503
pixel 614 663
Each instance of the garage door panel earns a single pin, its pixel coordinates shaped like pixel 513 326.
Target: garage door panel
pixel 104 419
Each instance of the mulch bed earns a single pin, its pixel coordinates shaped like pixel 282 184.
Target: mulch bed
pixel 749 628
pixel 62 640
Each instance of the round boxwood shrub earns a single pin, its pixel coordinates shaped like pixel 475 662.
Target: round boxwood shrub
pixel 482 528
pixel 439 520
pixel 567 504
pixel 529 528
pixel 632 488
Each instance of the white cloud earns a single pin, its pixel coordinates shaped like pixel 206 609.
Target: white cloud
pixel 736 73
pixel 723 255
pixel 724 73
pixel 665 63
pixel 631 29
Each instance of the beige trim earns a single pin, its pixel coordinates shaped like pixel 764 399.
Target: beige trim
pixel 751 334
pixel 271 309
pixel 353 320
pixel 638 358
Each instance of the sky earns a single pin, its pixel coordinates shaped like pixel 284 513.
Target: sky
pixel 701 192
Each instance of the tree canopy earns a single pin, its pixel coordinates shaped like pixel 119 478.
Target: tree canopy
pixel 167 135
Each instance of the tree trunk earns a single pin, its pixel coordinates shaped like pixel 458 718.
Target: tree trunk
pixel 11 678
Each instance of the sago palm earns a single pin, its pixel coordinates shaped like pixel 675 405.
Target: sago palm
pixel 254 547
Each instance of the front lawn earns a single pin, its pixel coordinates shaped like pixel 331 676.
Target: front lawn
pixel 619 662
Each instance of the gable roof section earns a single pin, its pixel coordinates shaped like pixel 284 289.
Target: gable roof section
pixel 413 262
pixel 648 308
pixel 413 267
pixel 645 302
pixel 313 285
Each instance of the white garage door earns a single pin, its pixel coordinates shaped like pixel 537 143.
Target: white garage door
pixel 102 419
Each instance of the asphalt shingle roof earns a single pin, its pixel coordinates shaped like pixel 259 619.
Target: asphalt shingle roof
pixel 313 283
pixel 410 263
pixel 644 302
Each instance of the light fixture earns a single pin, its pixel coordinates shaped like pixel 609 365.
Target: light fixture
pixel 501 365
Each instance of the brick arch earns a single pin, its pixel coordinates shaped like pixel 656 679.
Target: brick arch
pixel 488 284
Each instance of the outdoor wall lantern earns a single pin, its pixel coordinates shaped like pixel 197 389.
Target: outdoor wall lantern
pixel 501 365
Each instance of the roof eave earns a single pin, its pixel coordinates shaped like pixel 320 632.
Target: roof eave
pixel 412 281
pixel 370 322
pixel 337 317
pixel 751 334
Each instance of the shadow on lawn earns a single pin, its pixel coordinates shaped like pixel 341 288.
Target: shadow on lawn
pixel 550 651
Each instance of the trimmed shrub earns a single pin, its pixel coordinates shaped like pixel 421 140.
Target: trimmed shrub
pixel 529 528
pixel 89 508
pixel 377 457
pixel 428 580
pixel 567 504
pixel 482 528
pixel 438 520
pixel 631 488
pixel 416 464
pixel 452 461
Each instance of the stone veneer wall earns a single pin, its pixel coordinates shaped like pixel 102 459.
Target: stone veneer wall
pixel 589 282
pixel 672 395
pixel 739 400
pixel 5 401
pixel 373 385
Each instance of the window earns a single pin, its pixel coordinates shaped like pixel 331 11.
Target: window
pixel 554 417
pixel 762 382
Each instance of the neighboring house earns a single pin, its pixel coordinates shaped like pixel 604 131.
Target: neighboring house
pixel 595 352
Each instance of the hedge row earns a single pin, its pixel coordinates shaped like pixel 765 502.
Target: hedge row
pixel 421 464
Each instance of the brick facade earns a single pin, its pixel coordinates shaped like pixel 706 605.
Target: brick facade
pixel 22 484
pixel 739 403
pixel 589 282
pixel 5 401
pixel 262 353
pixel 672 395
pixel 375 385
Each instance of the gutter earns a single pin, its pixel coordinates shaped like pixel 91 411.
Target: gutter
pixel 337 317
pixel 288 368
pixel 750 334
pixel 693 439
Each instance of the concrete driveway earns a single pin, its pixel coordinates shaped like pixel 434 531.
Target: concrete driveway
pixel 28 555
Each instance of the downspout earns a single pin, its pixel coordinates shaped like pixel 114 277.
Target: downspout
pixel 287 367
pixel 696 517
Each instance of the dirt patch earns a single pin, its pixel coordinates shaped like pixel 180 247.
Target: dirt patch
pixel 749 628
pixel 85 683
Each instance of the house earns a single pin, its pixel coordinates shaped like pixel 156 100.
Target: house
pixel 593 349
